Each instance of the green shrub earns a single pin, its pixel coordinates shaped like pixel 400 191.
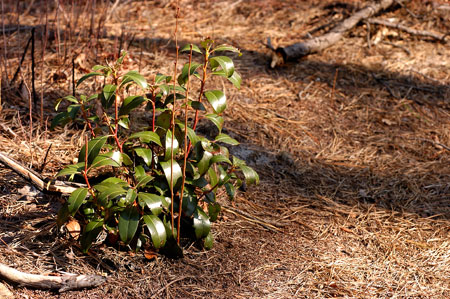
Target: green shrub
pixel 141 186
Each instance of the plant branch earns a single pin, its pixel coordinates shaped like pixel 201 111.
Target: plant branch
pixel 186 106
pixel 172 122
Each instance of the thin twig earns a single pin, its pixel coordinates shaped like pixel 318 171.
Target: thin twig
pixel 435 143
pixel 33 66
pixel 438 36
pixel 21 60
pixel 185 144
pixel 172 122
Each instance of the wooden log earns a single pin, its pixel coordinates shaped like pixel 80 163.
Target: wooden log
pixel 63 283
pixel 316 44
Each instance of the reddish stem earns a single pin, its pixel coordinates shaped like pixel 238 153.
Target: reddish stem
pixel 85 117
pixel 180 208
pixel 172 122
pixel 200 96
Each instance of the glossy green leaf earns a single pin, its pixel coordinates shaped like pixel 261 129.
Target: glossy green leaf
pixel 108 95
pixel 143 181
pixel 157 230
pixel 168 144
pixel 72 110
pixel 164 119
pixel 126 160
pixel 124 122
pixel 130 197
pixel 203 165
pixel 168 227
pixel 87 76
pixel 220 159
pixel 217 100
pixel 224 62
pixel 201 224
pixel 231 190
pixel 251 177
pixel 235 78
pixel 226 139
pixel 152 201
pixel 107 159
pixel 71 169
pixel 108 191
pixel 190 133
pixel 208 242
pixel 185 73
pixel 145 154
pixel 100 67
pixel 60 119
pixel 71 99
pixel 237 161
pixel 213 211
pixel 134 76
pixel 213 179
pixel 168 89
pixel 224 177
pixel 63 215
pixel 161 78
pixel 75 200
pixel 189 203
pixel 139 171
pixel 130 103
pixel 146 137
pixel 177 174
pixel 187 48
pixel 94 147
pixel 90 233
pixel 226 48
pixel 128 223
pixel 197 105
pixel 210 197
pixel 115 181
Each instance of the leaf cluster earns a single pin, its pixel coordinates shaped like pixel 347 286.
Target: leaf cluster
pixel 136 181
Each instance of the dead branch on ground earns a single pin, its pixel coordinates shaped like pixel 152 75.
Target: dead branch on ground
pixel 36 179
pixel 316 44
pixel 63 283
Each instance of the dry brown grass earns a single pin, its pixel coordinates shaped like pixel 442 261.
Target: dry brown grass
pixel 354 171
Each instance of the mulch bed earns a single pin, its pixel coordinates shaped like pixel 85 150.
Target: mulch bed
pixel 351 144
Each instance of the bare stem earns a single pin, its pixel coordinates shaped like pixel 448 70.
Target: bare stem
pixel 186 107
pixel 200 96
pixel 172 122
pixel 86 168
pixel 85 117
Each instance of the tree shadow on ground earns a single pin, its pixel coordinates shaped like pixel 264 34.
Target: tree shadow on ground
pixel 423 194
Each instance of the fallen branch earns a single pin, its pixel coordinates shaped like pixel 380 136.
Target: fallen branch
pixel 316 44
pixel 36 179
pixel 63 283
pixel 437 36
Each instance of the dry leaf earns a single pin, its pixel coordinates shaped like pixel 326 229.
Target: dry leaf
pixel 74 228
pixel 149 254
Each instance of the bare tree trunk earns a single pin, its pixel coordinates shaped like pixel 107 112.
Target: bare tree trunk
pixel 316 44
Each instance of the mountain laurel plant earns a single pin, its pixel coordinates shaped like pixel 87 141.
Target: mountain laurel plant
pixel 141 186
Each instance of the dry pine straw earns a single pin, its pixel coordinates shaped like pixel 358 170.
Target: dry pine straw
pixel 349 144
